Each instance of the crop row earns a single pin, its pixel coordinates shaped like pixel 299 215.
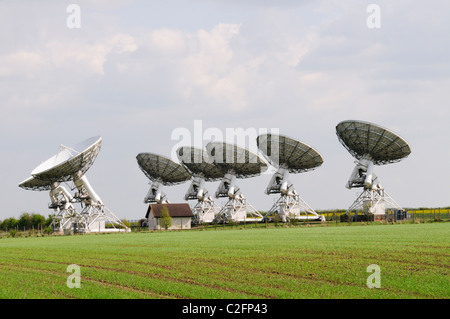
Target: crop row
pixel 283 263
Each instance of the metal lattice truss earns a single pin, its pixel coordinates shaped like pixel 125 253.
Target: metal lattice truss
pixel 235 162
pixel 373 201
pixel 290 205
pixel 93 217
pixel 64 219
pixel 238 210
pixel 205 211
pixel 61 201
pixel 293 207
pixel 96 218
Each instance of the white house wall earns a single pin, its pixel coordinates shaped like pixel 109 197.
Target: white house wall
pixel 177 223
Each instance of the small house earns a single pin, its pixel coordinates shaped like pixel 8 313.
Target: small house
pixel 181 215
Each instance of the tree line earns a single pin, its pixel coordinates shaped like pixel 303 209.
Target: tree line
pixel 26 221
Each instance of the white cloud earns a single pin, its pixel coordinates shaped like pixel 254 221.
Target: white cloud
pixel 298 68
pixel 21 64
pixel 168 42
pixel 80 56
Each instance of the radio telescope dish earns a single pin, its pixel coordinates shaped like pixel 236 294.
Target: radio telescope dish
pixel 366 140
pixel 198 162
pixel 288 155
pixel 235 162
pixel 233 159
pixel 71 164
pixel 285 152
pixel 202 168
pixel 371 145
pixel 161 171
pixel 69 161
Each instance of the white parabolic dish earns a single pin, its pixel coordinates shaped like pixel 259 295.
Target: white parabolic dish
pixel 371 141
pixel 161 169
pixel 286 152
pixel 69 161
pixel 34 184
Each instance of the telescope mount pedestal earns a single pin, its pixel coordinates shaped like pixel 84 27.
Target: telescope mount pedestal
pixel 373 202
pixel 293 207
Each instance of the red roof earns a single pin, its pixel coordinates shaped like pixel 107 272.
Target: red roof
pixel 175 210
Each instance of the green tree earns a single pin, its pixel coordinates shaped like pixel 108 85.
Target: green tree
pixel 48 230
pixel 5 224
pixel 165 220
pixel 38 221
pixel 12 223
pixel 25 221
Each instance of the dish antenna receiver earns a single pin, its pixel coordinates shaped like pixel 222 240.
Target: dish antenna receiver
pixel 371 145
pixel 202 168
pixel 71 164
pixel 235 162
pixel 288 155
pixel 160 171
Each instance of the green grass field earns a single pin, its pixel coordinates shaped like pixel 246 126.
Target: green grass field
pixel 286 262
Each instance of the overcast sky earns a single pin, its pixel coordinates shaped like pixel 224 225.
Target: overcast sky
pixel 135 72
